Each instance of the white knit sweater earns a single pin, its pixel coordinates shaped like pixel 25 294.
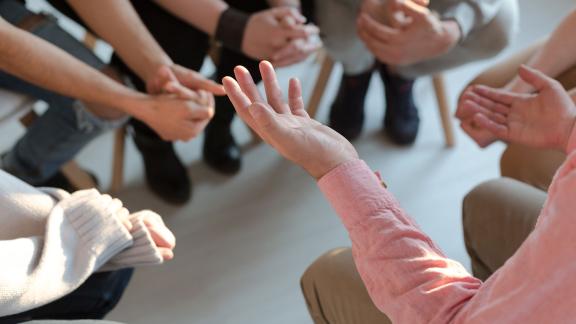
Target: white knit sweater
pixel 51 242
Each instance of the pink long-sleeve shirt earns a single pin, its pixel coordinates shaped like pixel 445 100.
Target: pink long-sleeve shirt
pixel 412 281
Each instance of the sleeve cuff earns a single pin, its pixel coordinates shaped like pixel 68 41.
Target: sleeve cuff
pixel 101 232
pixel 354 191
pixel 465 17
pixel 142 253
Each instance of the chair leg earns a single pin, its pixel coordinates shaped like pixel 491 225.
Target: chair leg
pixel 78 178
pixel 444 109
pixel 118 162
pixel 321 83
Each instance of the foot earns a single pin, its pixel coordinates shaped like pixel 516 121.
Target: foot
pixel 221 152
pixel 166 176
pixel 401 121
pixel 347 112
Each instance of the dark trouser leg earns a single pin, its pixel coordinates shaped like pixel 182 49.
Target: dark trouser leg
pixel 94 299
pixel 498 216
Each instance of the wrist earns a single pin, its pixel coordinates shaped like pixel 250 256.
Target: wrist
pixel 135 104
pixel 231 28
pixel 451 34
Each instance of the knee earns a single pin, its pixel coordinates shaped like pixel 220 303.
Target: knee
pixel 478 202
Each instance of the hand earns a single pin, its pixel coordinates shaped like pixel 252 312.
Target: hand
pixel 161 235
pixel 386 11
pixel 421 37
pixel 176 78
pixel 266 33
pixel 287 126
pixel 296 51
pixel 542 120
pixel 112 207
pixel 481 136
pixel 177 119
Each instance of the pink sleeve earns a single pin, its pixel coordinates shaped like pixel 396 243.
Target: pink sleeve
pixel 407 276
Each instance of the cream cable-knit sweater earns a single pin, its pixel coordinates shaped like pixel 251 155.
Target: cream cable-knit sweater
pixel 52 241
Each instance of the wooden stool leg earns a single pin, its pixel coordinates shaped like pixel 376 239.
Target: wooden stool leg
pixel 444 109
pixel 79 178
pixel 321 83
pixel 118 162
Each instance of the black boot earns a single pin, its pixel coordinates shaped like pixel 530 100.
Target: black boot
pixel 347 112
pixel 221 152
pixel 166 176
pixel 401 121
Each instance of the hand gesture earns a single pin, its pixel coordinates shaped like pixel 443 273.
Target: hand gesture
pixel 419 36
pixel 161 235
pixel 544 119
pixel 287 126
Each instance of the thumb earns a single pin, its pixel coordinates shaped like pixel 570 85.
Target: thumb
pixel 413 10
pixel 424 3
pixel 535 78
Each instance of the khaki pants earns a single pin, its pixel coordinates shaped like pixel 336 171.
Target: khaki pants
pixel 497 217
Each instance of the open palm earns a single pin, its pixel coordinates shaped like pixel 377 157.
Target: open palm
pixel 543 120
pixel 287 126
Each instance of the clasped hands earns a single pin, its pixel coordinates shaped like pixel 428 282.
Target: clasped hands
pixel 404 32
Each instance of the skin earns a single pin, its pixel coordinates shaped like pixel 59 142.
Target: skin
pixel 279 34
pixel 418 36
pixel 41 63
pixel 556 56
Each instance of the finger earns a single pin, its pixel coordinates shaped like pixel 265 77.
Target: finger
pixel 167 254
pixel 244 79
pixel 300 31
pixel 536 78
pixel 474 109
pixel 273 91
pixel 288 22
pixel 175 88
pixel 477 134
pixel 488 104
pixel 195 81
pixel 378 31
pixel 161 235
pixel 499 130
pixel 424 3
pixel 497 95
pixel 295 100
pixel 414 10
pixel 239 100
pixel 264 118
pixel 296 51
pixel 280 12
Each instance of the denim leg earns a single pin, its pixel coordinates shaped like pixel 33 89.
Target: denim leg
pixel 94 299
pixel 66 127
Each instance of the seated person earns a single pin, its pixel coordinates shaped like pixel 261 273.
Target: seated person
pixel 248 30
pixel 408 39
pixel 407 276
pixel 69 256
pixel 69 124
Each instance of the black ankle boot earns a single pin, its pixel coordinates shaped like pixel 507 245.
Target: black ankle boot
pixel 347 112
pixel 220 151
pixel 166 176
pixel 401 121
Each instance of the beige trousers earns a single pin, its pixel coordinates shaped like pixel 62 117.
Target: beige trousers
pixel 497 217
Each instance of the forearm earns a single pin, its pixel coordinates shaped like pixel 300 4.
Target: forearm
pixel 202 14
pixel 47 66
pixel 406 275
pixel 556 56
pixel 472 14
pixel 285 3
pixel 118 23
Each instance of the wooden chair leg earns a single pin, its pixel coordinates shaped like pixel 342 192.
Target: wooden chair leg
pixel 118 162
pixel 444 109
pixel 78 177
pixel 321 83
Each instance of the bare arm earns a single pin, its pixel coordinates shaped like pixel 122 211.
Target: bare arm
pixel 203 14
pixel 556 56
pixel 45 65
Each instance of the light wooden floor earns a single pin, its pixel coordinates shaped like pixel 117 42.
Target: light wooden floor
pixel 243 242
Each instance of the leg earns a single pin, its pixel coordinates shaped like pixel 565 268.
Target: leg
pixel 94 299
pixel 68 125
pixel 498 215
pixel 335 294
pixel 337 21
pixel 529 165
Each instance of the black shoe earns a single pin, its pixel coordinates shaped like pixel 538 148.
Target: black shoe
pixel 59 180
pixel 401 121
pixel 347 112
pixel 220 151
pixel 166 176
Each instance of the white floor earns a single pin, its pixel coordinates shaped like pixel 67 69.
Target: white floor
pixel 243 242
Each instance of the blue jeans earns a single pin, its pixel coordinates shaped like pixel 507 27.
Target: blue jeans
pixel 67 126
pixel 94 299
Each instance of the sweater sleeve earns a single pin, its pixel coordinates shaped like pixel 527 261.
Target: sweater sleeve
pixel 472 14
pixel 81 234
pixel 406 274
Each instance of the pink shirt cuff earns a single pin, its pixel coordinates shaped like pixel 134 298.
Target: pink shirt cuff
pixel 354 191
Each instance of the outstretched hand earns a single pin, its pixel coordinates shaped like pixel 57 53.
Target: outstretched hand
pixel 287 126
pixel 544 119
